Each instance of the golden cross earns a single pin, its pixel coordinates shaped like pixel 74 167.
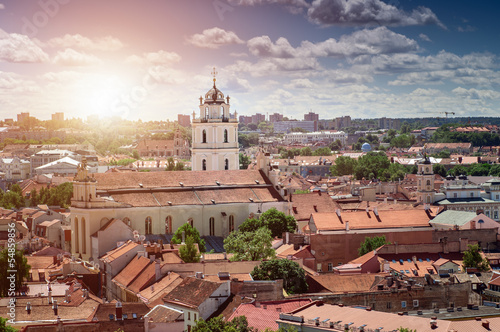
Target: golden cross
pixel 214 73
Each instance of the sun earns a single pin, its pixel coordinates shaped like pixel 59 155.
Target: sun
pixel 97 94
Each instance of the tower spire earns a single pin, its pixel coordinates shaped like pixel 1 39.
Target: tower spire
pixel 214 73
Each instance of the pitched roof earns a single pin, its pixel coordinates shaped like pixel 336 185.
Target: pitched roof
pixel 104 310
pixel 192 292
pixel 131 271
pixel 337 283
pixel 161 287
pixel 304 205
pixel 266 313
pixel 364 220
pixel 164 314
pixel 117 252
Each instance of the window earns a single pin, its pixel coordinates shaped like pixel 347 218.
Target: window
pixel 403 304
pixel 330 267
pixel 148 225
pixel 318 267
pixel 231 223
pixel 455 195
pixel 204 136
pixel 487 213
pixel 225 136
pixel 389 305
pixel 204 165
pixel 211 225
pixel 226 164
pixel 194 317
pixel 472 194
pixel 415 303
pixel 168 225
pixel 190 222
pixel 428 182
pixel 84 236
pixel 497 197
pixel 495 215
pixel 189 315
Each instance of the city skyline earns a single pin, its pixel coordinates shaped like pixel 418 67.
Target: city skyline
pixel 366 59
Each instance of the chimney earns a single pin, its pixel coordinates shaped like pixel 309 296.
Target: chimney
pixel 118 311
pixel 28 307
pixel 396 248
pixel 486 323
pixel 67 296
pixel 337 212
pixel 346 226
pixel 49 296
pixel 157 270
pixel 54 307
pixel 375 210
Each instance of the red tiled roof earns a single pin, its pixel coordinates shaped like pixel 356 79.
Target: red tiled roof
pixel 192 292
pixel 132 271
pixel 265 315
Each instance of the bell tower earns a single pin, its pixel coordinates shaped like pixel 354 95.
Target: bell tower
pixel 215 133
pixel 425 177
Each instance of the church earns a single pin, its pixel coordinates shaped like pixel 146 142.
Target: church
pixel 215 197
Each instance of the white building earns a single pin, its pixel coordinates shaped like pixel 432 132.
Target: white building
pixel 15 169
pixel 305 138
pixel 215 134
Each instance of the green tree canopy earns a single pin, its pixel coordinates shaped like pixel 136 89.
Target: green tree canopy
pixel 218 324
pixel 371 164
pixel 472 258
pixel 306 151
pixel 188 252
pixel 250 246
pixel 371 243
pixel 19 264
pixel 244 161
pixel 4 327
pixel 324 151
pixel 439 169
pixel 276 221
pixel 343 166
pixel 189 231
pixel 294 278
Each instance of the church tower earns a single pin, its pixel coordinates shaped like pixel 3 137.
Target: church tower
pixel 215 134
pixel 425 177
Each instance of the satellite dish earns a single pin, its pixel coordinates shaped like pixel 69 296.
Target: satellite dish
pixel 142 237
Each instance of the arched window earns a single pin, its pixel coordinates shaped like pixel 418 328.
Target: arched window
pixel 148 225
pixel 168 225
pixel 190 222
pixel 211 225
pixel 428 182
pixel 231 223
pixel 225 136
pixel 226 166
pixel 204 165
pixel 204 136
pixel 84 236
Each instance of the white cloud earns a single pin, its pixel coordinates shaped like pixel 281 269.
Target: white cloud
pixel 167 76
pixel 78 41
pixel 300 83
pixel 424 37
pixel 154 58
pixel 293 6
pixel 476 94
pixel 214 38
pixel 14 83
pixel 70 57
pixel 367 13
pixel 367 41
pixel 19 48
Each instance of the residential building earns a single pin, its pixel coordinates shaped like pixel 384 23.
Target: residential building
pixel 23 116
pixel 388 123
pixel 51 230
pixel 258 118
pixel 454 148
pixel 47 156
pixel 215 134
pixel 15 169
pixel 287 126
pixel 452 219
pixel 178 147
pixel 162 318
pixel 343 122
pixel 198 299
pixel 66 166
pixel 111 234
pixel 308 138
pixel 275 117
pixel 311 116
pixel 58 116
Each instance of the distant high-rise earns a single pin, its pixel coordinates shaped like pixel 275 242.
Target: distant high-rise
pixel 23 117
pixel 311 116
pixel 258 118
pixel 343 122
pixel 184 120
pixel 275 117
pixel 58 116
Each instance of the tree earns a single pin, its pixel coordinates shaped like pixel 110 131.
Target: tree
pixel 294 277
pixel 244 161
pixel 218 324
pixel 343 166
pixel 495 170
pixel 276 221
pixel 371 243
pixel 371 164
pixel 250 246
pixel 12 199
pixel 335 146
pixel 12 259
pixel 170 164
pixel 135 154
pixel 457 170
pixel 472 258
pixel 306 151
pixel 4 327
pixel 405 329
pixel 324 151
pixel 188 252
pixel 188 231
pixel 439 169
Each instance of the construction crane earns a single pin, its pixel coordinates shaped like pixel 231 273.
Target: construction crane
pixel 453 113
pixel 446 113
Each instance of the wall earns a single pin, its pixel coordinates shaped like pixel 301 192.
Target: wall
pixel 264 290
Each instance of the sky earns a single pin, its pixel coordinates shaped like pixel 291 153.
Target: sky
pixel 153 59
